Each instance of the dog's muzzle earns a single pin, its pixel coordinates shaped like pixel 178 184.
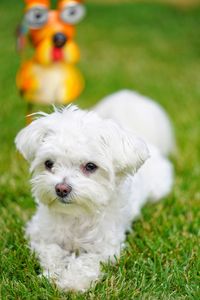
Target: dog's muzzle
pixel 59 40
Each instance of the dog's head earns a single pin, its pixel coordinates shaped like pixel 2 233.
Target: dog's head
pixel 52 31
pixel 78 159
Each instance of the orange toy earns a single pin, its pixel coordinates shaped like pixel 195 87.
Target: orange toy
pixel 50 76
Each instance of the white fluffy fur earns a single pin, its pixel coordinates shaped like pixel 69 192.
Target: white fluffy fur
pixel 72 239
pixel 141 115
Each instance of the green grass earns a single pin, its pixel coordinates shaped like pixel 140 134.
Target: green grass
pixel 154 49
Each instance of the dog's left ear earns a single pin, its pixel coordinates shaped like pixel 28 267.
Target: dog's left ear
pixel 29 138
pixel 129 152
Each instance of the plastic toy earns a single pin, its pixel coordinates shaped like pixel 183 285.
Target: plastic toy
pixel 50 75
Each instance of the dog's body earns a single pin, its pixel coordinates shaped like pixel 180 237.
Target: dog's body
pixel 90 180
pixel 142 116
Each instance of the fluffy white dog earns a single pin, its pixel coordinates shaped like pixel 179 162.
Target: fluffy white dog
pixel 90 180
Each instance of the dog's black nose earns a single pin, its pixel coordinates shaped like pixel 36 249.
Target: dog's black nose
pixel 63 189
pixel 59 39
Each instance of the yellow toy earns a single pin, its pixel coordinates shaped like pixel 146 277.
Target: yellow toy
pixel 50 75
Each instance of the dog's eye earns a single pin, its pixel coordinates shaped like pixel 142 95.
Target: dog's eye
pixel 72 13
pixel 49 164
pixel 36 17
pixel 90 167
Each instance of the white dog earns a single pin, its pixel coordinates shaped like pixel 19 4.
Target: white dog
pixel 90 180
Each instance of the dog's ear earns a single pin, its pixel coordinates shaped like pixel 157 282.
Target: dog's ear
pixel 129 152
pixel 30 137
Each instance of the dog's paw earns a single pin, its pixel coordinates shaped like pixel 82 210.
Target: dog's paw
pixel 79 274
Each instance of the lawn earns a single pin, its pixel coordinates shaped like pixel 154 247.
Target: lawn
pixel 154 49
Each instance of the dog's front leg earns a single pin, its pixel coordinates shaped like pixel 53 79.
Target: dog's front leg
pixel 53 259
pixel 68 271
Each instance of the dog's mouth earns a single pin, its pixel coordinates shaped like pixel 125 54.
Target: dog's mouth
pixel 57 54
pixel 65 200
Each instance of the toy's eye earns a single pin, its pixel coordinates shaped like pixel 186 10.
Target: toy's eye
pixel 49 164
pixel 36 17
pixel 72 13
pixel 90 167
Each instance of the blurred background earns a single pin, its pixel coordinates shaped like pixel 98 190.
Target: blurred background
pixel 149 46
pixel 152 47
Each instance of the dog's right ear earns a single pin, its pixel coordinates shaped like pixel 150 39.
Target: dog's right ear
pixel 29 138
pixel 129 152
